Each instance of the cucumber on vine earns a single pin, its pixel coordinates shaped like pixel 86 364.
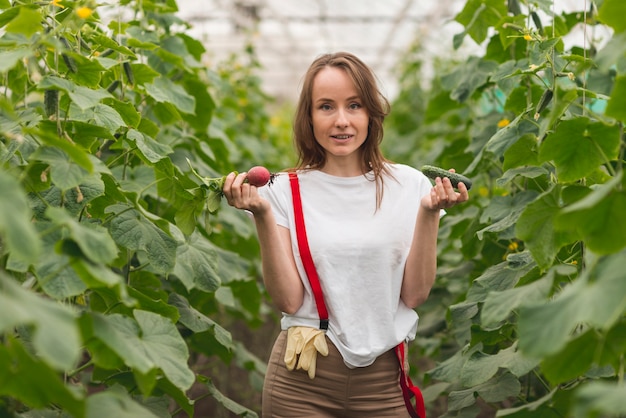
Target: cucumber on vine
pixel 433 172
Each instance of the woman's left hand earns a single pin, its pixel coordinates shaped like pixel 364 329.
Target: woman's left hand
pixel 443 195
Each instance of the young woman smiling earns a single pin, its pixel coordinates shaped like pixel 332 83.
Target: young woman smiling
pixel 371 227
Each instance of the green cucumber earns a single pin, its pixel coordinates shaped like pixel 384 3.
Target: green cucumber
pixel 433 172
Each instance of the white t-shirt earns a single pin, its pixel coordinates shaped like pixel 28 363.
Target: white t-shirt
pixel 359 253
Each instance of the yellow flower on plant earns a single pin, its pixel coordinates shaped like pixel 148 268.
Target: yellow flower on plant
pixel 513 246
pixel 84 12
pixel 57 3
pixel 528 37
pixel 483 191
pixel 503 123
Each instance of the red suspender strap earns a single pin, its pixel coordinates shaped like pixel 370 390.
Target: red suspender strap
pixel 408 389
pixel 305 253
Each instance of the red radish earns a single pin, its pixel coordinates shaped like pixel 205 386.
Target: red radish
pixel 259 176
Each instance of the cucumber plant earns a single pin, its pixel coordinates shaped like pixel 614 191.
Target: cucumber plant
pixel 527 315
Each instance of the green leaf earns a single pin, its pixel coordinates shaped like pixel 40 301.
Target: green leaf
pixel 121 334
pixel 150 149
pixel 196 264
pixel 600 399
pixel 132 230
pixel 126 110
pixel 499 304
pixel 143 73
pixel 610 13
pixel 465 79
pixel 617 103
pixel 594 217
pixel 18 234
pixel 535 227
pixel 226 402
pixel 10 58
pixel 508 136
pixel 55 274
pixel 502 276
pixel 115 403
pixel 503 211
pixel 64 172
pixel 33 382
pixel 89 71
pixel 164 90
pixel 197 322
pixel 93 240
pixel 481 367
pixel 56 338
pixel 27 22
pixel 163 343
pixel 100 114
pixel 86 98
pixel 578 146
pixel 495 390
pixel 597 298
pixel 573 360
pixel 106 42
pixel 478 16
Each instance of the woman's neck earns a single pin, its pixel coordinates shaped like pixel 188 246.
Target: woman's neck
pixel 343 167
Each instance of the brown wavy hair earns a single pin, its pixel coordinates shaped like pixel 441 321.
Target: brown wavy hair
pixel 310 154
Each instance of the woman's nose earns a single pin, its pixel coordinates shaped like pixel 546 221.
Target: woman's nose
pixel 342 119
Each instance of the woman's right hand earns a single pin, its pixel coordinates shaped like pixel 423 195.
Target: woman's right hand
pixel 242 195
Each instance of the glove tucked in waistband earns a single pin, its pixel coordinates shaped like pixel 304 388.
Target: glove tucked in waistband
pixel 303 344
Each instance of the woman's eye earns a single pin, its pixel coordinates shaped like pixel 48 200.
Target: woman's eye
pixel 325 106
pixel 355 106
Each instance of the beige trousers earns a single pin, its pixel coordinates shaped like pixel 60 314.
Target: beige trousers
pixel 336 392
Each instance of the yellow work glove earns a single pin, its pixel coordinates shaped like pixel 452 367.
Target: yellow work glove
pixel 303 344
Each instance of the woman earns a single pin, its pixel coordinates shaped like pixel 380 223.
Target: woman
pixel 372 231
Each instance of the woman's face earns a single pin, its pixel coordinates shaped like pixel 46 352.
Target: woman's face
pixel 340 122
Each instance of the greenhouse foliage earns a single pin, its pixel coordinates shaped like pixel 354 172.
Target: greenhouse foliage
pixel 118 275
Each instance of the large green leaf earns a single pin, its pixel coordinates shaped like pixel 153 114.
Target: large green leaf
pixel 603 398
pixel 504 211
pixel 578 146
pixel 152 150
pixel 144 343
pixel 481 367
pixel 502 276
pixel 499 304
pixel 535 227
pixel 598 299
pixel 165 90
pixel 100 114
pixel 463 82
pixel 196 264
pixel 8 59
pixel 196 321
pixel 115 403
pixel 33 382
pixel 595 217
pixel 617 103
pixel 610 13
pixel 130 229
pixel 93 240
pixel 55 338
pixel 18 234
pixel 86 98
pixel 64 171
pixel 478 16
pixel 574 360
pixel 226 402
pixel 27 22
pixel 497 389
